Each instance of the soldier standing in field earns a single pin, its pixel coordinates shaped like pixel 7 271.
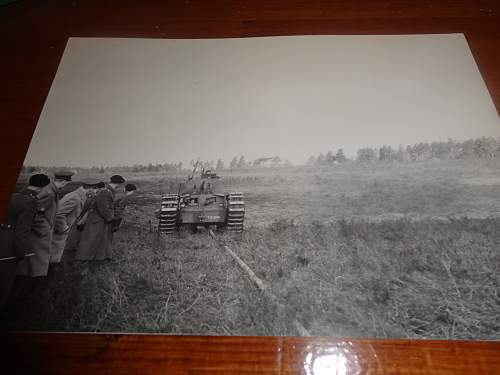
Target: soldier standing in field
pixel 43 226
pixel 68 210
pixel 75 233
pixel 97 237
pixel 120 205
pixel 16 237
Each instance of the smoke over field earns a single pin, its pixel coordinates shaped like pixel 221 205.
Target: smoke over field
pixel 361 250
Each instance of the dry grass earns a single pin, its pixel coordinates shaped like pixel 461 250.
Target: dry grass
pixel 353 250
pixel 181 285
pixel 359 279
pixel 391 279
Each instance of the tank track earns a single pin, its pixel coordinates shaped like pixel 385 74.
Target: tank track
pixel 169 213
pixel 235 212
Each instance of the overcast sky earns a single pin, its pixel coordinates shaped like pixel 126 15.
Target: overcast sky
pixel 128 101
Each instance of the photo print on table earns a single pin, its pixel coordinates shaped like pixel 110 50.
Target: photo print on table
pixel 344 186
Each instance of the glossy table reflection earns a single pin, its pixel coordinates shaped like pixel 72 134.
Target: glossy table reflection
pixel 159 354
pixel 33 35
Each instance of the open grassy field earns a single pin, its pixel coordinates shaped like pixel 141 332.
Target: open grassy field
pixel 378 250
pixel 355 191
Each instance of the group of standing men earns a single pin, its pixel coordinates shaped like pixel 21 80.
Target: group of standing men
pixel 39 226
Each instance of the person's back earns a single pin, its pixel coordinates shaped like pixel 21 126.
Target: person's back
pixel 121 201
pixel 97 235
pixel 42 227
pixel 17 223
pixel 68 211
pixel 77 229
pixel 48 200
pixel 17 240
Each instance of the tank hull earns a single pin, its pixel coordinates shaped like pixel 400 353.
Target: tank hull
pixel 205 216
pixel 197 204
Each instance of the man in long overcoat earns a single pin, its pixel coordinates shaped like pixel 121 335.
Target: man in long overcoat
pixel 121 202
pixel 43 226
pixel 16 238
pixel 75 233
pixel 97 237
pixel 68 211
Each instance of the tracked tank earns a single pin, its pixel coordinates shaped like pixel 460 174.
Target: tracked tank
pixel 201 202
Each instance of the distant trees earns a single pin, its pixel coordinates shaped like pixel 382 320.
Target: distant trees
pixel 329 158
pixel 443 150
pixel 386 153
pixel 237 162
pixel 137 168
pixel 401 154
pixel 267 162
pixel 420 151
pixel 242 163
pixel 339 156
pixel 479 148
pixel 321 159
pixel 366 154
pixel 234 163
pixel 484 147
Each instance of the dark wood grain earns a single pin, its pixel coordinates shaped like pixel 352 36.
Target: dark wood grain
pixel 33 35
pixel 158 354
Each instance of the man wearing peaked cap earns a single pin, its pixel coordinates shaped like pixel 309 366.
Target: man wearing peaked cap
pixel 43 226
pixel 97 235
pixel 92 182
pixel 63 175
pixel 16 237
pixel 69 209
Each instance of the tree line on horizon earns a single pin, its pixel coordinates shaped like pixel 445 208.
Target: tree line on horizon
pixel 240 162
pixel 237 162
pixel 484 147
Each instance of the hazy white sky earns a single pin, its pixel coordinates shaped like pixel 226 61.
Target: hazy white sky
pixel 128 101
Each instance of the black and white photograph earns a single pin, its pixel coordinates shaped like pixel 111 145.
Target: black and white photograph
pixel 340 186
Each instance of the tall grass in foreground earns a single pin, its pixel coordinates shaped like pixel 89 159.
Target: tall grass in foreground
pixel 424 279
pixel 181 285
pixel 414 277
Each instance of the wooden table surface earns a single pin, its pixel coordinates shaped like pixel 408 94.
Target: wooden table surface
pixel 33 35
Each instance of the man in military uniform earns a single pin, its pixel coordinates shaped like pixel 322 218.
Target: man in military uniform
pixel 120 204
pixel 43 226
pixel 97 237
pixel 77 229
pixel 16 237
pixel 101 185
pixel 68 211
